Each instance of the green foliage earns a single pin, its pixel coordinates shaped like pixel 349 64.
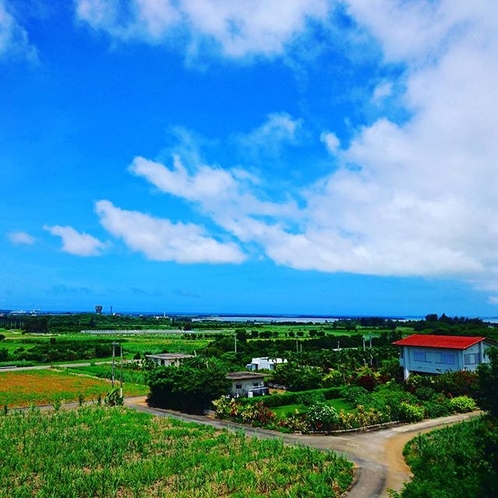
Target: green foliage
pixel 190 387
pixel 460 461
pixel 322 417
pixel 109 452
pixel 297 377
pixel 256 414
pixel 114 398
pixel 411 413
pixel 463 404
pixel 488 383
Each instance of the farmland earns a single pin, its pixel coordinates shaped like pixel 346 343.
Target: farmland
pixel 44 387
pixel 108 452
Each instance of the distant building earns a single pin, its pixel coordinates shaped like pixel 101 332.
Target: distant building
pixel 437 354
pixel 264 363
pixel 168 359
pixel 247 384
pixel 98 309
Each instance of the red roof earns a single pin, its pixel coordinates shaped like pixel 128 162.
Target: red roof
pixel 439 341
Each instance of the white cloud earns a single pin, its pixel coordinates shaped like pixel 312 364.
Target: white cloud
pixel 161 240
pixel 278 130
pixel 416 198
pixel 382 91
pixel 222 194
pixel 13 37
pixel 331 141
pixel 17 238
pixel 208 183
pixel 77 243
pixel 236 29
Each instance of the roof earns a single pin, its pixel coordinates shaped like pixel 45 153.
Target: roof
pixel 244 375
pixel 439 341
pixel 169 356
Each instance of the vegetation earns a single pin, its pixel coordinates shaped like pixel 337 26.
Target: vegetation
pixel 189 387
pixel 454 462
pixel 49 387
pixel 109 452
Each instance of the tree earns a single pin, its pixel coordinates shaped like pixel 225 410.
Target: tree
pixel 488 383
pixel 190 387
pixel 36 325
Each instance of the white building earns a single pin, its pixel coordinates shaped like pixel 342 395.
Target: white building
pixel 264 363
pixel 247 384
pixel 167 359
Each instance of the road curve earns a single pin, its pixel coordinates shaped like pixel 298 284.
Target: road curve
pixel 378 458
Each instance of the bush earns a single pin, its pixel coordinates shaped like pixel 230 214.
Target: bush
pixel 424 393
pixel 411 413
pixel 438 406
pixel 463 404
pixel 355 395
pixel 322 417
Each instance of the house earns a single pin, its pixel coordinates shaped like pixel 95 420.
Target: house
pixel 437 354
pixel 264 363
pixel 247 384
pixel 167 359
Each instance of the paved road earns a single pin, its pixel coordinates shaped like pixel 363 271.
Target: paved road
pixel 377 455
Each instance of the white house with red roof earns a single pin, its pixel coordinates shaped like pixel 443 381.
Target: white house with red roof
pixel 437 354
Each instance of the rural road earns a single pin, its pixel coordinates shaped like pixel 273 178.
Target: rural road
pixel 377 455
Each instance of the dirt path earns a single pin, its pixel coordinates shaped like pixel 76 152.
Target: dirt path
pixel 378 456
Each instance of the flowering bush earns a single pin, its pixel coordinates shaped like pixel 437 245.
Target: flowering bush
pixel 322 417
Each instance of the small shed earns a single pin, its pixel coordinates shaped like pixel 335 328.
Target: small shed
pixel 167 359
pixel 247 384
pixel 437 354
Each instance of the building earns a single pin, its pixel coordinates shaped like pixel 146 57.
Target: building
pixel 437 354
pixel 247 384
pixel 167 359
pixel 264 363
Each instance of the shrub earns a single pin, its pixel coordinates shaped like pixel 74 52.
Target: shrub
pixel 438 406
pixel 322 417
pixel 463 404
pixel 424 393
pixel 311 398
pixel 355 395
pixel 411 413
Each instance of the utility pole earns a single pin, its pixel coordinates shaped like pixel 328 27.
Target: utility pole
pixel 235 342
pixel 121 373
pixel 113 363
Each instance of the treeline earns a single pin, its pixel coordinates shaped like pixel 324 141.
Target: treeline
pixel 282 347
pixel 445 325
pixel 60 350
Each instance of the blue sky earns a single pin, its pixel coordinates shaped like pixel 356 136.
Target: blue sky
pixel 265 156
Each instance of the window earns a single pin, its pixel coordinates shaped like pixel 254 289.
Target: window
pixel 255 384
pixel 447 358
pixel 420 356
pixel 238 386
pixel 471 358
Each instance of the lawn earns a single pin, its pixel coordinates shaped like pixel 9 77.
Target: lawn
pixel 46 387
pixel 338 403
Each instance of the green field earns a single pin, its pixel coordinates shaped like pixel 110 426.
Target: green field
pixel 116 452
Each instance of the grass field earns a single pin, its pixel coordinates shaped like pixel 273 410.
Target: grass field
pixel 116 452
pixel 46 387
